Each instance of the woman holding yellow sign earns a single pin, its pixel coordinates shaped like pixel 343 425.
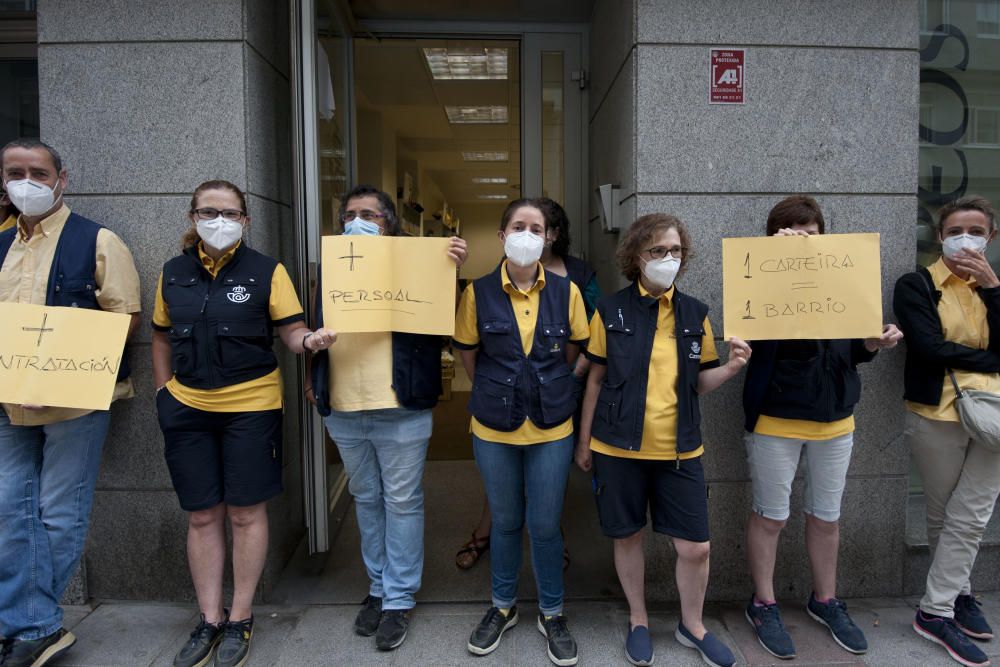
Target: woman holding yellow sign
pixel 219 399
pixel 799 399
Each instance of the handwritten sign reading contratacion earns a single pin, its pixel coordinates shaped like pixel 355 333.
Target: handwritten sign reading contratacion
pixel 781 287
pixel 394 283
pixel 62 357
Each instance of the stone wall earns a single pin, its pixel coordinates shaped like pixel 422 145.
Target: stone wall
pixel 831 111
pixel 145 100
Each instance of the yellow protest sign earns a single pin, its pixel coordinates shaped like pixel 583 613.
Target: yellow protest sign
pixel 62 357
pixel 388 283
pixel 824 286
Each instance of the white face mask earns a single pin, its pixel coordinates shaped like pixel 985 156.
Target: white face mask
pixel 523 248
pixel 953 245
pixel 362 227
pixel 661 272
pixel 30 197
pixel 220 233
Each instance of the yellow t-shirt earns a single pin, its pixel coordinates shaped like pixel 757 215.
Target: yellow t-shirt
pixel 963 321
pixel 263 393
pixel 24 278
pixel 659 426
pixel 525 306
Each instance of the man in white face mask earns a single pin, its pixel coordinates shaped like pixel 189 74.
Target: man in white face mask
pixel 57 258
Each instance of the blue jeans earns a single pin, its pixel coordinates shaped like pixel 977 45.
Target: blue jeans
pixel 383 453
pixel 47 478
pixel 526 482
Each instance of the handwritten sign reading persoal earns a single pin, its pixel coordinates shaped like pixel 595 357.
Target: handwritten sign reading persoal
pixel 64 357
pixel 798 287
pixel 396 283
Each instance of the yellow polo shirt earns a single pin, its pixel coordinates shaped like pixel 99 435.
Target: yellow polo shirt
pixel 263 393
pixel 963 321
pixel 659 426
pixel 24 278
pixel 525 305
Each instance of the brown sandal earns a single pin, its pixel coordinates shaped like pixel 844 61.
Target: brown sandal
pixel 469 554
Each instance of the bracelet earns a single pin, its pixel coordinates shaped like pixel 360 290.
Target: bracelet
pixel 304 338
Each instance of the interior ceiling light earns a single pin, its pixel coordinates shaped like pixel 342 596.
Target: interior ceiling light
pixel 484 156
pixel 467 63
pixel 492 196
pixel 476 114
pixel 501 180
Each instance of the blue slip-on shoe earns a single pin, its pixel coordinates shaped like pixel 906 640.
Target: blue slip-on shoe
pixel 639 646
pixel 943 631
pixel 970 619
pixel 770 630
pixel 834 616
pixel 713 652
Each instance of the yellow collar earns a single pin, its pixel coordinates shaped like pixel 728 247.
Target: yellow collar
pixel 47 226
pixel 213 266
pixel 508 286
pixel 941 274
pixel 665 297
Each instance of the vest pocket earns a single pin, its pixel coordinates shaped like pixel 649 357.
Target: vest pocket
pixel 184 357
pixel 609 402
pixel 492 402
pixel 76 293
pixel 243 346
pixel 555 393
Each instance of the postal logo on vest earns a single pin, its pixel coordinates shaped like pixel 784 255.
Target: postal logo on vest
pixel 238 294
pixel 695 350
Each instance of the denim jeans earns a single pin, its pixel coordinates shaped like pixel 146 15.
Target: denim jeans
pixel 47 478
pixel 526 483
pixel 383 453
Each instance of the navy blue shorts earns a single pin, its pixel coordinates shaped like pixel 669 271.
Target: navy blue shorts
pixel 216 457
pixel 675 496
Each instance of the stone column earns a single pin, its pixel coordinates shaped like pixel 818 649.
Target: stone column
pixel 831 111
pixel 145 100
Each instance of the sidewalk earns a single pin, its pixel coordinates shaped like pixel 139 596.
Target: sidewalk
pixel 146 634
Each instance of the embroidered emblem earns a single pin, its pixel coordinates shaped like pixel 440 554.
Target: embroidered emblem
pixel 695 350
pixel 555 347
pixel 238 295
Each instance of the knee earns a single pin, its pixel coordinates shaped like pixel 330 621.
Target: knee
pixel 692 552
pixel 543 530
pixel 243 517
pixel 206 518
pixel 633 541
pixel 771 527
pixel 821 526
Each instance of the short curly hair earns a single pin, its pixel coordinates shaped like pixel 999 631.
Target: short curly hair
pixel 641 233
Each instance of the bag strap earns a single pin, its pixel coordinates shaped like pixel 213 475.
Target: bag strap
pixel 928 283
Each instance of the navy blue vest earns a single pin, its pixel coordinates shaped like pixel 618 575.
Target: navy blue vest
pixel 510 386
pixel 220 331
pixel 416 368
pixel 630 326
pixel 71 276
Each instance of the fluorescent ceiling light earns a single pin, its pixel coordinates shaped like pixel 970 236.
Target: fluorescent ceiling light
pixel 492 196
pixel 501 180
pixel 484 156
pixel 476 114
pixel 467 63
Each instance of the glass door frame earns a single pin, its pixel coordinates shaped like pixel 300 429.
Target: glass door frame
pixel 323 497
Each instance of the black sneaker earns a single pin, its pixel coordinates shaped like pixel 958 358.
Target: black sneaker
pixel 37 652
pixel 198 649
pixel 486 637
pixel 970 619
pixel 234 647
pixel 767 624
pixel 561 645
pixel 843 630
pixel 943 631
pixel 366 622
pixel 392 629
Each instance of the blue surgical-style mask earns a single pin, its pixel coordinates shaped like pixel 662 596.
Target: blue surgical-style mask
pixel 360 227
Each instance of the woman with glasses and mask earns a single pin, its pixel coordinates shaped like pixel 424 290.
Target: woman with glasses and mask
pixel 518 331
pixel 376 391
pixel 653 355
pixel 219 400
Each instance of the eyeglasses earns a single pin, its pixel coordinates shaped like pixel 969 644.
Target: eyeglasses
pixel 368 216
pixel 213 213
pixel 660 251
